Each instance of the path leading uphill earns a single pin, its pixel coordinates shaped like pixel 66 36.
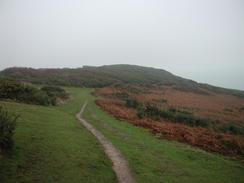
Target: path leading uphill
pixel 120 164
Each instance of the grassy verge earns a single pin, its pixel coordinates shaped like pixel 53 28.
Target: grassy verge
pixel 51 146
pixel 154 160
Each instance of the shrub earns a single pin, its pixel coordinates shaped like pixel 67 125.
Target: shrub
pixel 228 110
pixel 241 108
pixel 7 127
pixel 177 116
pixel 53 93
pixel 233 129
pixel 167 114
pixel 171 114
pixel 122 95
pixel 185 118
pixel 163 101
pixel 172 110
pixel 41 98
pixel 133 103
pixel 10 89
pixel 14 90
pixel 141 112
pixel 203 122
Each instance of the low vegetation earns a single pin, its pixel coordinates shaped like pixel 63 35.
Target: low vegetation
pixel 132 103
pixel 54 93
pixel 17 91
pixel 178 116
pixel 119 75
pixel 181 116
pixel 170 114
pixel 158 160
pixel 51 146
pixel 232 128
pixel 7 127
pixel 241 108
pixel 191 119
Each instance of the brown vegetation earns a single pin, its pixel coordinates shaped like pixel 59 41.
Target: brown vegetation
pixel 221 108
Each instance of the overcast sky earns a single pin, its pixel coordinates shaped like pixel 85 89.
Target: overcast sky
pixel 199 39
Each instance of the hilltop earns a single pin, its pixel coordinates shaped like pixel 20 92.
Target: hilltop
pixel 103 76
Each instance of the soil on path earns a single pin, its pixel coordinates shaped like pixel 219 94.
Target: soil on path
pixel 120 164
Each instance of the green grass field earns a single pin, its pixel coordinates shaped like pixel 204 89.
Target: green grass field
pixel 51 146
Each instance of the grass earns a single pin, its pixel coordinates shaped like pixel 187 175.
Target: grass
pixel 156 160
pixel 50 146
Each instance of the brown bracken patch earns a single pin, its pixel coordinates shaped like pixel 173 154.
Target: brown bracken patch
pixel 204 138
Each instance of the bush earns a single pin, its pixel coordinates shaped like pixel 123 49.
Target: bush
pixel 203 122
pixel 10 89
pixel 122 95
pixel 241 108
pixel 174 115
pixel 233 129
pixel 163 101
pixel 172 110
pixel 41 98
pixel 228 110
pixel 141 113
pixel 171 114
pixel 132 103
pixel 53 93
pixel 14 90
pixel 7 127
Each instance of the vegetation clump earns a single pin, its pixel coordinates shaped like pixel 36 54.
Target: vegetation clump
pixel 232 128
pixel 132 103
pixel 171 114
pixel 180 116
pixel 14 90
pixel 228 110
pixel 54 92
pixel 7 127
pixel 241 108
pixel 122 95
pixel 113 75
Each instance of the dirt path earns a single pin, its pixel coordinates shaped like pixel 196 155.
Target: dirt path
pixel 120 164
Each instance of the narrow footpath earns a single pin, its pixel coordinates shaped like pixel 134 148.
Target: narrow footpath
pixel 120 164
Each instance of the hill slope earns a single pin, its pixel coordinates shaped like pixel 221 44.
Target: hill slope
pixel 110 75
pixel 51 146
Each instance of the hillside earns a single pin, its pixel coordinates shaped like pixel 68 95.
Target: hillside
pixel 213 122
pixel 51 146
pixel 111 75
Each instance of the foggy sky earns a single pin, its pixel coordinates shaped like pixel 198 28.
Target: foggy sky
pixel 198 39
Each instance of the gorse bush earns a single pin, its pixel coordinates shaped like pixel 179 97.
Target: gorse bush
pixel 133 103
pixel 141 112
pixel 241 108
pixel 7 127
pixel 232 128
pixel 122 95
pixel 14 90
pixel 41 98
pixel 53 93
pixel 173 115
pixel 184 117
pixel 228 110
